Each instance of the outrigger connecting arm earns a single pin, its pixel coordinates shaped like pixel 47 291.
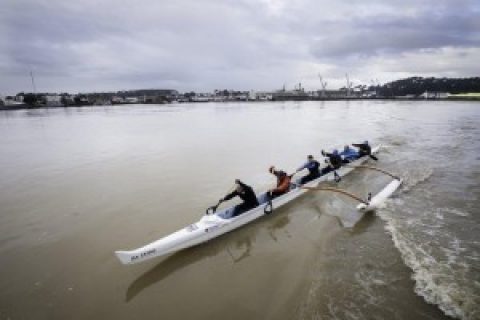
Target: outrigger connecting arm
pixel 351 195
pixel 371 203
pixel 376 169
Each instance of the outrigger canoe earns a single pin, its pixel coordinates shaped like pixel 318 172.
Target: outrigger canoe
pixel 214 225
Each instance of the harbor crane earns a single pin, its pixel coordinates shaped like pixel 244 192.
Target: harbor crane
pixel 323 84
pixel 33 82
pixel 349 85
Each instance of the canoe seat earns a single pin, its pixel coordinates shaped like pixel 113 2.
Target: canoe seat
pixel 226 213
pixel 263 198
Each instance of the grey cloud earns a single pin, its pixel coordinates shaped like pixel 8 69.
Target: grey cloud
pixel 202 45
pixel 397 34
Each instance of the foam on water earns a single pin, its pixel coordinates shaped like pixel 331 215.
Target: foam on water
pixel 432 223
pixel 439 280
pixel 394 141
pixel 414 176
pixel 429 235
pixel 455 212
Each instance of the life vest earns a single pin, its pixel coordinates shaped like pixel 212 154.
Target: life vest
pixel 335 160
pixel 283 181
pixel 314 167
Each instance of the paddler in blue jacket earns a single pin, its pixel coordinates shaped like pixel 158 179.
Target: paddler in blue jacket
pixel 313 167
pixel 348 154
pixel 246 193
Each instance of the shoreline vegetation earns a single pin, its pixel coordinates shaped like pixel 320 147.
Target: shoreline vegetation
pixel 415 88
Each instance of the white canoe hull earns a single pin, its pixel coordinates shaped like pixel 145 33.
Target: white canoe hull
pixel 212 226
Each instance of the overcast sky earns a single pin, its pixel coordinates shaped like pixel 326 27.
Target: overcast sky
pixel 201 45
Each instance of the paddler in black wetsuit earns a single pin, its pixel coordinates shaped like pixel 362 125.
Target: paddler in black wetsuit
pixel 334 162
pixel 246 193
pixel 364 149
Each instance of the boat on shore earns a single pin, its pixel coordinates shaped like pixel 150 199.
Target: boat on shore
pixel 214 225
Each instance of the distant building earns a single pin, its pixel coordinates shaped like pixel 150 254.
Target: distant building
pixel 434 95
pixel 201 97
pixel 132 100
pixel 81 100
pixel 11 102
pixel 53 100
pixel 117 100
pixel 67 99
pixel 296 94
pixel 263 96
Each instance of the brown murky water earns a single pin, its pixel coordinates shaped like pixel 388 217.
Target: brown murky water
pixel 77 184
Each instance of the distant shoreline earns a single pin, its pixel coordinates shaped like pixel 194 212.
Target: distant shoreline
pixel 27 107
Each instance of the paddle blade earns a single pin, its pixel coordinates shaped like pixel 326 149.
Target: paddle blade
pixel 337 177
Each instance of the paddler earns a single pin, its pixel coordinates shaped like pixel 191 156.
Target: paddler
pixel 334 161
pixel 313 167
pixel 246 193
pixel 283 182
pixel 364 149
pixel 349 154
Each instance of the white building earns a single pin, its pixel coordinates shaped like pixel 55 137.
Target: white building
pixel 434 95
pixel 131 100
pixel 53 100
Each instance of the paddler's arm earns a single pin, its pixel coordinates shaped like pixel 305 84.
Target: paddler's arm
pixel 328 156
pixel 302 167
pixel 229 196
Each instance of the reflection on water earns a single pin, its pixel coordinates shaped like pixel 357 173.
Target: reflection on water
pixel 238 246
pixel 185 258
pixel 278 224
pixel 364 224
pixel 244 246
pixel 174 263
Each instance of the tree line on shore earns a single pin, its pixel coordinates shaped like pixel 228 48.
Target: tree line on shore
pixel 418 85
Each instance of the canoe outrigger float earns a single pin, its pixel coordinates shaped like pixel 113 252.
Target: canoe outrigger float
pixel 212 225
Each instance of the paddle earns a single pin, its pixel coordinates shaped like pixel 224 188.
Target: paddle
pixel 212 209
pixel 337 178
